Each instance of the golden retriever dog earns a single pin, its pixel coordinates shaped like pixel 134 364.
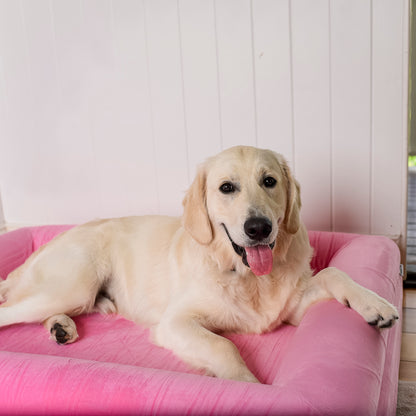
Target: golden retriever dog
pixel 238 260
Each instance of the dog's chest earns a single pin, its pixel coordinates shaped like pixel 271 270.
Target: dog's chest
pixel 253 305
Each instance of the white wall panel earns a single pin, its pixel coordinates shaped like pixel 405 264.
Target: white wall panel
pixel 2 220
pixel 18 183
pixel 38 32
pixel 75 171
pixel 351 113
pixel 167 102
pixel 134 147
pixel 106 107
pixel 101 95
pixel 235 67
pixel 273 76
pixel 200 80
pixel 311 107
pixel 4 132
pixel 389 117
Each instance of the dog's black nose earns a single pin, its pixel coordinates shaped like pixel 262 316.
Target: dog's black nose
pixel 258 228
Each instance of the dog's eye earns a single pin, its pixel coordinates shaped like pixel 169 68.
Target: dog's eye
pixel 227 188
pixel 269 182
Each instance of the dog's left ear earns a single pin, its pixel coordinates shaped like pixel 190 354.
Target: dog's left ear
pixel 292 214
pixel 195 215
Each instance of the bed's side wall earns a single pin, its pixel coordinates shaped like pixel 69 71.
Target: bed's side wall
pixel 107 106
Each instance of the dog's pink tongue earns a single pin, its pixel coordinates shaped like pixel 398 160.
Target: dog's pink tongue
pixel 260 259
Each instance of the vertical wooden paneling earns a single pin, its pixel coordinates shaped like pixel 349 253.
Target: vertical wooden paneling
pixel 4 128
pixel 103 100
pixel 128 147
pixel 76 175
pixel 351 114
pixel 17 186
pixel 2 220
pixel 106 107
pixel 236 78
pixel 311 104
pixel 39 30
pixel 388 115
pixel 273 78
pixel 167 102
pixel 200 80
pixel 4 131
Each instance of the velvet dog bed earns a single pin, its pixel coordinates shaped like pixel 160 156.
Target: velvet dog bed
pixel 333 363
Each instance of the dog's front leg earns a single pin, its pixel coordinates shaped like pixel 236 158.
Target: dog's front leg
pixel 334 283
pixel 201 348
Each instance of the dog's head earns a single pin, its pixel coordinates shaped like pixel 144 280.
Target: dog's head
pixel 247 196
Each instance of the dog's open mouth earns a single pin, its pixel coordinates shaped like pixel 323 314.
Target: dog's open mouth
pixel 258 258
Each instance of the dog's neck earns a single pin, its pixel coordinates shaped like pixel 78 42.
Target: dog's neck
pixel 225 258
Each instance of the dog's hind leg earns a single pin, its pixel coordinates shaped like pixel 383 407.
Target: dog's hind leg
pixel 35 308
pixel 7 285
pixel 38 308
pixel 4 289
pixel 36 299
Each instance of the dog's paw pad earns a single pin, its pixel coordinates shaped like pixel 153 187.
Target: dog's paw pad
pixel 63 335
pixel 389 323
pixel 376 321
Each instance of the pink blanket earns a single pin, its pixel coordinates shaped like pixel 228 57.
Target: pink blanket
pixel 334 363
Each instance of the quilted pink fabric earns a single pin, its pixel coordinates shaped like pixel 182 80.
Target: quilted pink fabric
pixel 333 363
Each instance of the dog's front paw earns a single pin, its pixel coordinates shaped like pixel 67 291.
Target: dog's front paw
pixel 377 311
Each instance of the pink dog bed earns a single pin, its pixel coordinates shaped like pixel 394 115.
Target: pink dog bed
pixel 334 363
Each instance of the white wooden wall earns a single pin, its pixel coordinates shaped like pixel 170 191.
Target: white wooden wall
pixel 106 107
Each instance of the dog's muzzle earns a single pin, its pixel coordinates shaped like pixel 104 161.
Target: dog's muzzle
pixel 258 258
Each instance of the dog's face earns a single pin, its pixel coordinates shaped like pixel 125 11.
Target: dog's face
pixel 245 195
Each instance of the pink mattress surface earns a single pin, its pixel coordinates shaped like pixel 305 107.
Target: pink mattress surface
pixel 334 363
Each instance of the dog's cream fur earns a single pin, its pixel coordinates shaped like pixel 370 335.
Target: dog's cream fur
pixel 182 276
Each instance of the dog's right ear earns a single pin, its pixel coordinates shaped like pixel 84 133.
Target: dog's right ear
pixel 195 215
